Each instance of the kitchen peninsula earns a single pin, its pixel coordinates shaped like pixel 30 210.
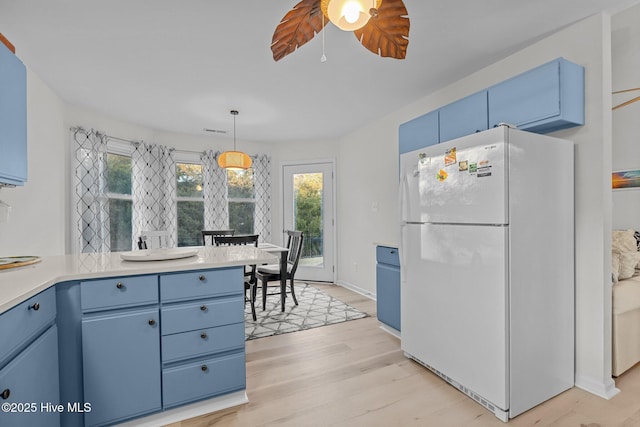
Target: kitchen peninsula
pixel 91 339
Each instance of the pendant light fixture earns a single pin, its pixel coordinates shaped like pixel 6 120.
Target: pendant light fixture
pixel 234 160
pixel 350 15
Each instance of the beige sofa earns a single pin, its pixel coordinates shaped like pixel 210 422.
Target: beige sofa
pixel 626 300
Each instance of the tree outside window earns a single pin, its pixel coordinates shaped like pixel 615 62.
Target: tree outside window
pixel 190 204
pixel 120 201
pixel 241 200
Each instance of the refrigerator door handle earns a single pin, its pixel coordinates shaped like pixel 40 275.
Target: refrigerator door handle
pixel 403 197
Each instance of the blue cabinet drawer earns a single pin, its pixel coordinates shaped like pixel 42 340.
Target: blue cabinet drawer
pixel 22 322
pixel 118 292
pixel 202 314
pixel 203 379
pixel 31 380
pixel 387 255
pixel 198 284
pixel 202 342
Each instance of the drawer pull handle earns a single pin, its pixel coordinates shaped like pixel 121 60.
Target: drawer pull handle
pixel 119 285
pixel 204 368
pixel 203 335
pixel 5 394
pixel 152 322
pixel 202 278
pixel 35 307
pixel 203 307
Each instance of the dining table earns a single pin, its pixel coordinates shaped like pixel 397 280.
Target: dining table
pixel 283 252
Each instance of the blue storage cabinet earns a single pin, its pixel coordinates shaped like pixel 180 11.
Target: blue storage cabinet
pixel 29 363
pixel 464 117
pixel 419 132
pixel 120 348
pixel 388 286
pixel 13 119
pixel 545 99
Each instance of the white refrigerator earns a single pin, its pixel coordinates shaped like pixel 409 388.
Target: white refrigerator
pixel 487 265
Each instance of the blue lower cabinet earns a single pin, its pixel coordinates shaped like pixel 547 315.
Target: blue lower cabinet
pixel 121 365
pixel 29 385
pixel 203 379
pixel 388 286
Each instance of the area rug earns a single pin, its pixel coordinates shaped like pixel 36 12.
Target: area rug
pixel 315 308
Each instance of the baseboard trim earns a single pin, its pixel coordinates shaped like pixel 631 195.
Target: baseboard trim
pixel 356 289
pixel 190 411
pixel 606 389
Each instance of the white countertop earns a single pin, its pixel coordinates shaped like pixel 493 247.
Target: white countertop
pixel 21 283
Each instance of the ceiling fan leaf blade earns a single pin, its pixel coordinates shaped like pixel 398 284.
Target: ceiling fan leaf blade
pixel 297 27
pixel 387 34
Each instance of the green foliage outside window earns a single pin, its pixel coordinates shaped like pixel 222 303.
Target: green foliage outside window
pixel 191 207
pixel 308 211
pixel 119 184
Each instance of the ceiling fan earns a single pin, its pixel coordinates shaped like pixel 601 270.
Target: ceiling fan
pixel 382 26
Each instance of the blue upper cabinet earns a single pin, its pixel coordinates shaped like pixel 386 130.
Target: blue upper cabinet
pixel 13 118
pixel 464 117
pixel 545 99
pixel 419 132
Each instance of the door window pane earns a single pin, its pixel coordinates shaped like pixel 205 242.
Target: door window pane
pixel 307 189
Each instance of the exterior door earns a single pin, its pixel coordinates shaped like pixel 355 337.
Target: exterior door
pixel 308 206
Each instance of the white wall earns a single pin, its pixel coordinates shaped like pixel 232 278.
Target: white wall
pixel 37 225
pixel 368 171
pixel 626 126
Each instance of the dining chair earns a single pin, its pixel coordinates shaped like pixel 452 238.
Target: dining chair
pixel 250 281
pixel 156 239
pixel 214 233
pixel 271 272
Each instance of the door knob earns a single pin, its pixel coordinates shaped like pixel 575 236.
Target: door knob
pixel 5 394
pixel 203 335
pixel 35 307
pixel 152 322
pixel 203 307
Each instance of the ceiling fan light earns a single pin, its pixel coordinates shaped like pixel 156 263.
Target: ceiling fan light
pixel 234 160
pixel 348 15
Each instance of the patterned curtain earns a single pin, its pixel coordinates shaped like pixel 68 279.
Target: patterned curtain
pixel 153 190
pixel 89 183
pixel 215 192
pixel 262 186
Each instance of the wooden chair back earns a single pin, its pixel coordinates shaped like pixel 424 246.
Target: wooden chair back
pixel 214 233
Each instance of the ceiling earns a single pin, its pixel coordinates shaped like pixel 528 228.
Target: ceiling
pixel 182 65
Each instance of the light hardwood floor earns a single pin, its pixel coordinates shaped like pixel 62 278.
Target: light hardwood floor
pixel 354 374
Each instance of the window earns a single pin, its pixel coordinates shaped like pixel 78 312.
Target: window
pixel 120 201
pixel 190 204
pixel 241 200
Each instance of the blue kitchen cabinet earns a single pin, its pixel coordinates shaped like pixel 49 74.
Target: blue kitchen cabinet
pixel 120 349
pixel 544 99
pixel 203 337
pixel 464 117
pixel 419 132
pixel 13 119
pixel 29 364
pixel 388 286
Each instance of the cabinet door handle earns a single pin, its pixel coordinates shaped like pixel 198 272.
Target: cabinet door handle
pixel 5 394
pixel 392 252
pixel 152 322
pixel 202 277
pixel 203 307
pixel 35 307
pixel 204 368
pixel 203 335
pixel 119 285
